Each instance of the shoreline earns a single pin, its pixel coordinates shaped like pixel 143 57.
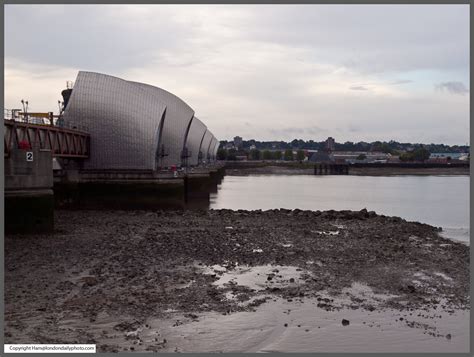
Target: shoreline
pixel 104 276
pixel 305 169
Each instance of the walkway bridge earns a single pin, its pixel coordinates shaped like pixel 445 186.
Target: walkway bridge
pixel 63 142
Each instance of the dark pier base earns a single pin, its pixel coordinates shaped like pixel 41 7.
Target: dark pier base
pixel 198 188
pixel 29 200
pixel 120 195
pixel 29 211
pixel 331 169
pixel 136 190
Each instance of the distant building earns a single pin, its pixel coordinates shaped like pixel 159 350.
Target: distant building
pixel 238 142
pixel 350 157
pixel 330 144
pixel 321 157
pixel 252 147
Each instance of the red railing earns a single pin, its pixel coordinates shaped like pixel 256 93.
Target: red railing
pixel 63 142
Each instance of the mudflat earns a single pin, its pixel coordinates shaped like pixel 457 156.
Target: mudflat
pixel 137 280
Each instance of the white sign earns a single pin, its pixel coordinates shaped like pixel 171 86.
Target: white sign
pixel 52 348
pixel 29 156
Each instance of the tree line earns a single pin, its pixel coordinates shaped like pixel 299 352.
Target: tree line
pixel 392 147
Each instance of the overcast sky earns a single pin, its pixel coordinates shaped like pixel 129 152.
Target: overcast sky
pixel 267 72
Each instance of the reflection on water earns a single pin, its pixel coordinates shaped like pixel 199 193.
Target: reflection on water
pixel 442 201
pixel 300 326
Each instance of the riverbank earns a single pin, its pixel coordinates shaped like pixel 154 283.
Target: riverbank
pixel 305 168
pixel 132 280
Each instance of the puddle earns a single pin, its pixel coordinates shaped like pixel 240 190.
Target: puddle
pixel 260 277
pixel 280 326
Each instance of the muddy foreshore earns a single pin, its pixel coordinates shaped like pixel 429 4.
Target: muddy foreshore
pixel 104 274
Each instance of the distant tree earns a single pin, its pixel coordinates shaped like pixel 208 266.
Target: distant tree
pixel 276 155
pixel 267 155
pixel 361 157
pixel 300 155
pixel 421 154
pixel 376 146
pixel 231 155
pixel 406 156
pixel 254 154
pixel 288 156
pixel 386 148
pixel 222 154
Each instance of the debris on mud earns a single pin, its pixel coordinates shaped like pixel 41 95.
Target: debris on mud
pixel 113 270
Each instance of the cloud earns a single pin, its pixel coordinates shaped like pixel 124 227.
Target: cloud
pixel 358 88
pixel 318 67
pixel 452 87
pixel 402 81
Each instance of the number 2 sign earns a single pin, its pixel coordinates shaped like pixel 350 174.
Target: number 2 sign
pixel 29 156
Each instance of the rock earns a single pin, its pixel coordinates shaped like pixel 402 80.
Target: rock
pixel 89 280
pixel 448 336
pixel 127 326
pixel 345 322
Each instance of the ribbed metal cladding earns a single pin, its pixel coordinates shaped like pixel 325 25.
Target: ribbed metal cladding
pixel 211 147
pixel 177 118
pixel 216 148
pixel 195 137
pixel 122 118
pixel 212 150
pixel 205 145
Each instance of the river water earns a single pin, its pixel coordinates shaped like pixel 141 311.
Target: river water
pixel 442 201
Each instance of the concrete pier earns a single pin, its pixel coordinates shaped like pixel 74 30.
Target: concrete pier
pixel 135 189
pixel 29 200
pixel 123 190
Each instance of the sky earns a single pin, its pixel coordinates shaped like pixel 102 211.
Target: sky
pixel 264 72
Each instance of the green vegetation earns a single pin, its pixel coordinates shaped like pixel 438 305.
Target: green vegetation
pixel 255 154
pixel 267 155
pixel 222 154
pixel 300 155
pixel 392 147
pixel 232 154
pixel 419 154
pixel 288 156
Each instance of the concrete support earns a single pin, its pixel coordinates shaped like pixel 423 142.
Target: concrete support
pixel 121 194
pixel 29 200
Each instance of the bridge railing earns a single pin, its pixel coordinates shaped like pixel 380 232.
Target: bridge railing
pixel 40 118
pixel 61 141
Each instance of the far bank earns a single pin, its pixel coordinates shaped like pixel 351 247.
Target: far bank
pixel 242 168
